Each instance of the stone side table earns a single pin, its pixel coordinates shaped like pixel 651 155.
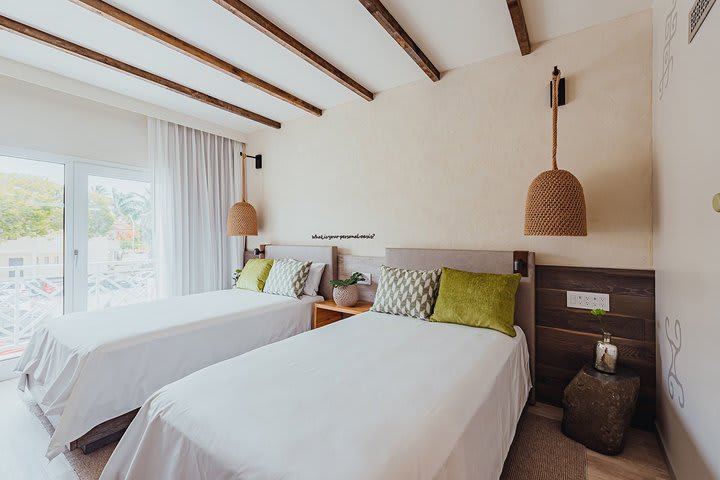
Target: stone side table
pixel 598 407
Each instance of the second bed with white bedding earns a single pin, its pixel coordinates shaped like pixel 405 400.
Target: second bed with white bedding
pixel 372 397
pixel 86 368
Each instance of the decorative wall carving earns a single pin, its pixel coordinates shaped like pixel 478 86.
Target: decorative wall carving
pixel 675 387
pixel 670 31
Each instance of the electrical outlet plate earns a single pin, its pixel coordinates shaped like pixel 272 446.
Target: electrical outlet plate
pixel 588 300
pixel 368 279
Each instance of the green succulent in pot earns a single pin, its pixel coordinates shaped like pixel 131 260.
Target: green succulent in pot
pixel 345 292
pixel 236 275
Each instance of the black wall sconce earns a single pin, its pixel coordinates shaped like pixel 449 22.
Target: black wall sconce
pixel 259 252
pixel 520 263
pixel 561 90
pixel 258 160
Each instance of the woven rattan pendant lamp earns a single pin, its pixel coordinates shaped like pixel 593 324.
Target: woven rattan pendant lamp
pixel 242 219
pixel 555 203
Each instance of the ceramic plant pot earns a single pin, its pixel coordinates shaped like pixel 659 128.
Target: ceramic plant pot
pixel 346 296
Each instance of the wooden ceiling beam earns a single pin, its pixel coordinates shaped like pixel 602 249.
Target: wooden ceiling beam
pixel 82 52
pixel 388 22
pixel 518 21
pixel 262 24
pixel 133 23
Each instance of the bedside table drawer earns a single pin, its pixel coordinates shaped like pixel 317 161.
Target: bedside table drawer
pixel 326 317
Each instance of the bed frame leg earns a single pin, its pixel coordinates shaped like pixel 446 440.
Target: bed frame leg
pixel 104 434
pixel 98 444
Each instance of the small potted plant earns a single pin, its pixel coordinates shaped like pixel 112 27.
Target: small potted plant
pixel 606 354
pixel 345 292
pixel 236 275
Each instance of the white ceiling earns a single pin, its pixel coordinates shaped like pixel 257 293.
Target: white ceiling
pixel 452 33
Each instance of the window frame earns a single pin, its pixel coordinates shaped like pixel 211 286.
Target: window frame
pixel 77 170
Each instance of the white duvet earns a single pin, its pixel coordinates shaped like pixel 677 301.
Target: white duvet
pixel 86 368
pixel 371 397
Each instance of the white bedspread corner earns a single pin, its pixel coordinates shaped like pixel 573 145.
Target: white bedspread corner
pixel 90 367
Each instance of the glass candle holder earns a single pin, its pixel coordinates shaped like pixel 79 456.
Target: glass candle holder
pixel 606 354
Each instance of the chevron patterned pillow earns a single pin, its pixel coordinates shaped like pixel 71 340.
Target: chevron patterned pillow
pixel 287 277
pixel 411 293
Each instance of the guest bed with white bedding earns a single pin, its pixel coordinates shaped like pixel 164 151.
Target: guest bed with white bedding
pixel 92 369
pixel 375 396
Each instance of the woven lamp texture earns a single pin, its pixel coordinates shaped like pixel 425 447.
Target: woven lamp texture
pixel 242 220
pixel 555 205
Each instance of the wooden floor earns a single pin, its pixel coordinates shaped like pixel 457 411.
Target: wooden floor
pixel 641 459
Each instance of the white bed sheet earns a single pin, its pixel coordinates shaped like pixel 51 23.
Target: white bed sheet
pixel 86 368
pixel 372 397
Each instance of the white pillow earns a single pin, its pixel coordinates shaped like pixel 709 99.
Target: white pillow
pixel 312 285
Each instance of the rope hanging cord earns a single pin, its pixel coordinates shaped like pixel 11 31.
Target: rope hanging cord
pixel 555 204
pixel 242 173
pixel 555 86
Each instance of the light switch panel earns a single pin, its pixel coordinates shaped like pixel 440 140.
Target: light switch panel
pixel 588 300
pixel 368 279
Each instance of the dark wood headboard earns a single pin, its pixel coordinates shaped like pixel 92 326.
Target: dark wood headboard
pixel 565 337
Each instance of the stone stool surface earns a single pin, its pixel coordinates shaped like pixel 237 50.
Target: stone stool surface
pixel 598 408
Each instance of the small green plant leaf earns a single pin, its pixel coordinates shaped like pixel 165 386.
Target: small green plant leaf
pixel 354 278
pixel 236 275
pixel 599 313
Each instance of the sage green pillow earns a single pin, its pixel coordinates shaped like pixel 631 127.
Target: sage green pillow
pixel 254 274
pixel 484 300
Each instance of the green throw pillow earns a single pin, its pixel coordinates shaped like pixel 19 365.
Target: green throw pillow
pixel 254 274
pixel 477 300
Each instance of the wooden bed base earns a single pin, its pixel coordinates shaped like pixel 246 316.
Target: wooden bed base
pixel 104 434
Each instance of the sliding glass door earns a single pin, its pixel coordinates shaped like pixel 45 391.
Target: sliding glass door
pixel 32 234
pixel 114 232
pixel 74 236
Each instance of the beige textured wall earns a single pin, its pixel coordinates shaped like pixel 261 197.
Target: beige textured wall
pixel 448 164
pixel 37 118
pixel 687 239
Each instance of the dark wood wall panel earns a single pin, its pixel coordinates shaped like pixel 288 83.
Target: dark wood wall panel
pixel 566 336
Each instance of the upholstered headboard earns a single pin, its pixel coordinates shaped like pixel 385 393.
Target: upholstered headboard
pixel 482 261
pixel 326 255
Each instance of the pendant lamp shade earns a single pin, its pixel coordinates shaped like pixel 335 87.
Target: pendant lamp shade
pixel 242 218
pixel 555 204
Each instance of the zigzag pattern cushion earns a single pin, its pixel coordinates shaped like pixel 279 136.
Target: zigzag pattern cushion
pixel 287 277
pixel 410 293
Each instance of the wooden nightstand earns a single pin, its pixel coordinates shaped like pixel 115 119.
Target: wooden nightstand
pixel 328 312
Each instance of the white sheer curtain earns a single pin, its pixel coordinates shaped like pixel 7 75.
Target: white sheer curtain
pixel 196 180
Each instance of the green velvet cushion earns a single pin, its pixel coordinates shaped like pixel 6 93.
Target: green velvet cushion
pixel 477 300
pixel 254 274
